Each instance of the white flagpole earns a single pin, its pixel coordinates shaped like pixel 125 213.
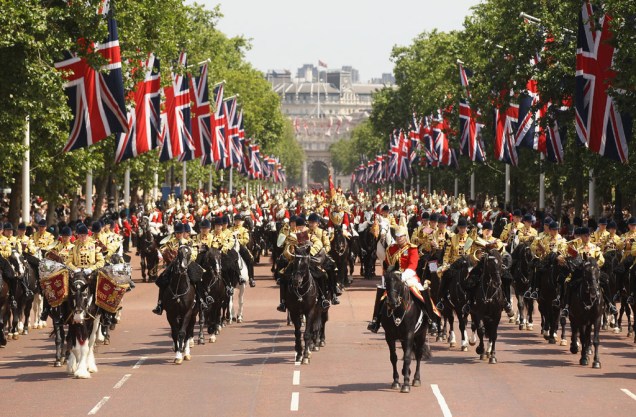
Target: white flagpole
pixel 472 186
pixel 231 181
pixel 184 179
pixel 429 183
pixel 26 178
pixel 507 199
pixel 456 187
pixel 155 190
pixel 210 180
pixel 592 192
pixel 541 184
pixel 89 192
pixel 127 188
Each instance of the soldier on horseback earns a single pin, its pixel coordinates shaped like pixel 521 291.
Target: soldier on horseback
pixel 541 248
pixel 293 239
pixel 405 257
pixel 243 237
pixel 85 254
pixel 582 245
pixel 26 243
pixel 43 239
pixel 329 265
pixel 455 249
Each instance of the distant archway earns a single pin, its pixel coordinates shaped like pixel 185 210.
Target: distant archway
pixel 319 172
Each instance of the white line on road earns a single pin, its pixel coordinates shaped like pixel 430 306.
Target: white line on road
pixel 99 405
pixel 296 379
pixel 140 362
pixel 294 401
pixel 629 393
pixel 442 402
pixel 122 381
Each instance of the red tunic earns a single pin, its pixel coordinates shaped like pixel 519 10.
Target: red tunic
pixel 409 256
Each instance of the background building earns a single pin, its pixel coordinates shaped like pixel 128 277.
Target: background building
pixel 324 106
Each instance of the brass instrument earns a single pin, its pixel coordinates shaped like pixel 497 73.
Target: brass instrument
pixel 54 256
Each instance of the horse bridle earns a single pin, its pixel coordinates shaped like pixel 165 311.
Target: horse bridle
pixel 401 301
pixel 295 289
pixel 587 282
pixel 182 272
pixel 496 287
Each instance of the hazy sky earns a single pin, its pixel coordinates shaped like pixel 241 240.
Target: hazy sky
pixel 289 33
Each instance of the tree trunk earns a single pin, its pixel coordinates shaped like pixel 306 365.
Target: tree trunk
pixel 74 208
pixel 102 183
pixel 578 196
pixel 15 201
pixel 51 215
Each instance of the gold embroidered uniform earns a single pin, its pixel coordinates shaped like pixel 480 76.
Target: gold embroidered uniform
pixel 85 255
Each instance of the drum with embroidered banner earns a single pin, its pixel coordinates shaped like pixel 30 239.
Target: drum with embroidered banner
pixel 54 282
pixel 112 283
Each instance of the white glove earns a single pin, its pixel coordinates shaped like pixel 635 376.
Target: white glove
pixel 285 220
pixel 77 270
pixel 407 275
pixel 88 271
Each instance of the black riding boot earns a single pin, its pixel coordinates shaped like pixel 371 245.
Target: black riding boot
pixel 443 290
pixel 374 324
pixel 428 304
pixel 533 291
pixel 562 283
pixel 201 295
pixel 566 299
pixel 606 290
pixel 158 310
pixel 335 290
pixel 283 290
pixel 46 310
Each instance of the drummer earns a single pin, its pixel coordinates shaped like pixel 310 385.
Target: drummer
pixel 85 255
pixel 65 246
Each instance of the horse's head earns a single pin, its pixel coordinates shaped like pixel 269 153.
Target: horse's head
pixel 17 262
pixel 493 266
pixel 81 296
pixel 591 276
pixel 339 240
pixel 212 261
pixel 301 266
pixel 183 259
pixel 395 288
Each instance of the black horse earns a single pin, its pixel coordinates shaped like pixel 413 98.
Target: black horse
pixel 301 300
pixel 455 300
pixel 273 230
pixel 549 273
pixel 522 270
pixel 149 255
pixel 354 252
pixel 368 244
pixel 586 308
pixel 405 320
pixel 608 273
pixel 24 285
pixel 84 317
pixel 4 304
pixel 489 301
pixel 216 292
pixel 424 270
pixel 340 254
pixel 178 300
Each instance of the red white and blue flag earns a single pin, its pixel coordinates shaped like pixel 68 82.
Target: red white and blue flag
pixel 144 122
pixel 599 124
pixel 231 132
pixel 440 130
pixel 469 126
pixel 95 96
pixel 177 137
pixel 219 150
pixel 201 123
pixel 506 122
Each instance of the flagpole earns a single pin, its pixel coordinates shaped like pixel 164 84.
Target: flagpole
pixel 26 167
pixel 305 185
pixel 507 199
pixel 210 180
pixel 155 189
pixel 472 186
pixel 592 191
pixel 184 185
pixel 231 179
pixel 541 184
pixel 89 192
pixel 429 183
pixel 456 187
pixel 127 188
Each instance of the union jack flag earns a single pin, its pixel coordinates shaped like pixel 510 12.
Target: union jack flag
pixel 177 137
pixel 470 128
pixel 506 125
pixel 599 125
pixel 219 150
pixel 201 126
pixel 440 142
pixel 403 156
pixel 415 136
pixel 232 133
pixel 144 122
pixel 96 97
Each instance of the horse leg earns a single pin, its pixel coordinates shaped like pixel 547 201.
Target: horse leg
pixel 143 268
pixel 585 335
pixel 26 311
pixel 298 346
pixel 58 328
pixel 521 312
pixel 241 300
pixel 462 329
pixel 92 366
pixel 185 334
pixel 201 340
pixel 308 336
pixel 574 347
pixel 407 348
pixel 480 332
pixel 81 349
pixel 394 358
pixel 71 364
pixel 451 336
pixel 492 337
pixel 596 364
pixel 564 340
pixel 419 352
pixel 530 308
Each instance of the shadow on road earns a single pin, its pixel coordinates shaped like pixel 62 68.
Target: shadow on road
pixel 361 387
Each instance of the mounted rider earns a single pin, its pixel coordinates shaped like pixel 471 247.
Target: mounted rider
pixel 85 255
pixel 243 237
pixel 456 248
pixel 511 229
pixel 329 265
pixel 43 239
pixel 541 248
pixel 27 244
pixel 583 246
pixel 405 257
pixel 299 237
pixel 528 233
pixel 600 234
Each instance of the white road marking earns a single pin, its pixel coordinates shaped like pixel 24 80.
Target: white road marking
pixel 442 402
pixel 140 362
pixel 629 393
pixel 294 401
pixel 122 381
pixel 296 379
pixel 99 405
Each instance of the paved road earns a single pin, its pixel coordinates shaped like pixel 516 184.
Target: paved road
pixel 250 371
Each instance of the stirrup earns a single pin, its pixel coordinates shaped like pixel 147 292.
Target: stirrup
pixel 440 305
pixel 527 294
pixel 373 326
pixel 335 300
pixel 158 310
pixel 565 313
pixel 612 309
pixel 534 295
pixel 556 302
pixel 466 308
pixel 325 304
pixel 252 283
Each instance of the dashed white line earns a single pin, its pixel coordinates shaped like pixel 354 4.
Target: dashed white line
pixel 122 381
pixel 296 379
pixel 140 362
pixel 629 393
pixel 442 402
pixel 99 405
pixel 294 401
